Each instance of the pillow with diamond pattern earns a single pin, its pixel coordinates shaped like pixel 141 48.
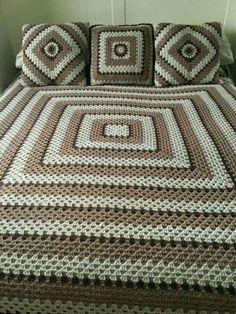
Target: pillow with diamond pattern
pixel 122 54
pixel 54 54
pixel 187 54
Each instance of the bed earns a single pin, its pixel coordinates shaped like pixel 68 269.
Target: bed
pixel 117 172
pixel 138 218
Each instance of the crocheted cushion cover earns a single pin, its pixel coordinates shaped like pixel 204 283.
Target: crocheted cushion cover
pixel 122 55
pixel 187 54
pixel 54 54
pixel 118 200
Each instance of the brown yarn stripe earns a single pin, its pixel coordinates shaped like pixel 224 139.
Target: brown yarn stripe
pixel 34 288
pixel 121 249
pixel 109 215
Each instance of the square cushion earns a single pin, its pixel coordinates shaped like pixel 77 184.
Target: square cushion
pixel 187 54
pixel 54 54
pixel 122 55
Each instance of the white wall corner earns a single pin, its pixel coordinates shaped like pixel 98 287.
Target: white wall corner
pixel 226 14
pixel 118 11
pixel 7 57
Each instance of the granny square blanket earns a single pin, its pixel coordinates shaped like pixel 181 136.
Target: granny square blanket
pixel 118 199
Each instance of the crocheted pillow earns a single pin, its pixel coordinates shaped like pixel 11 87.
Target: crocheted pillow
pixel 54 54
pixel 187 54
pixel 122 55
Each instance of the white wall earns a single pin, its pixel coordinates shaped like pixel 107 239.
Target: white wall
pixel 19 12
pixel 231 31
pixel 15 13
pixel 7 69
pixel 185 11
pixel 178 11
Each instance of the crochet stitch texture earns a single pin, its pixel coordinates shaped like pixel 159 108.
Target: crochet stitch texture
pixel 117 199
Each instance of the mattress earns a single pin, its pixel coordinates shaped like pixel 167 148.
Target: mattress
pixel 118 199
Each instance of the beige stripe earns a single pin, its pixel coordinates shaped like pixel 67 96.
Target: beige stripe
pixel 222 200
pixel 140 203
pixel 147 271
pixel 68 228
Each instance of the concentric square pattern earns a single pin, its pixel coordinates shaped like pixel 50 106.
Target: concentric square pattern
pixel 187 54
pixel 54 54
pixel 88 138
pixel 120 185
pixel 122 55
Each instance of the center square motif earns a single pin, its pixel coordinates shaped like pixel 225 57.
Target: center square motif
pixel 121 50
pixel 130 61
pixel 91 132
pixel 61 149
pixel 176 54
pixel 117 130
pixel 64 52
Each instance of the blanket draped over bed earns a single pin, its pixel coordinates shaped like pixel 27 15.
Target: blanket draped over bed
pixel 118 200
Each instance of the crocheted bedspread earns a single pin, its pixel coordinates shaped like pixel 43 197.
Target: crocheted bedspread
pixel 118 200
